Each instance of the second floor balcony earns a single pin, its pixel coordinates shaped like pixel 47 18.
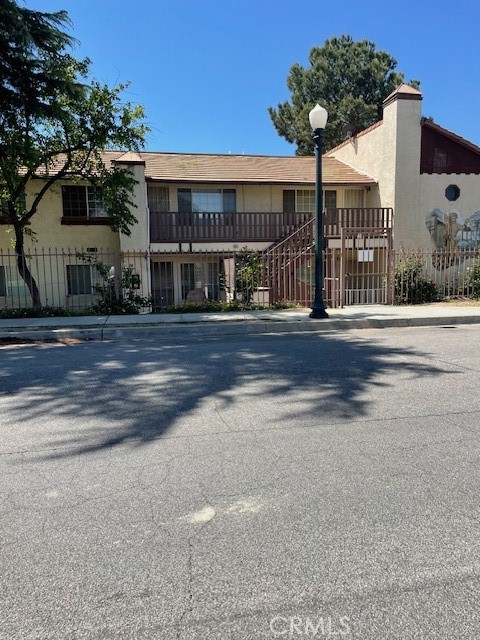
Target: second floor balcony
pixel 258 227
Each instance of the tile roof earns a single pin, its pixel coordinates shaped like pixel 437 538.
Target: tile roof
pixel 176 167
pixel 237 169
pixel 403 92
pixel 404 89
pixel 130 157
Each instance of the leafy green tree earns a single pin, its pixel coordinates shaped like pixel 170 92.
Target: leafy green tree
pixel 351 79
pixel 54 123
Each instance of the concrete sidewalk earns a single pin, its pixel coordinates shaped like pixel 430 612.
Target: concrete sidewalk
pixel 236 323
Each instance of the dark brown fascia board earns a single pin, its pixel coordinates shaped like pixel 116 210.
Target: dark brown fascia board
pixel 299 185
pixel 401 96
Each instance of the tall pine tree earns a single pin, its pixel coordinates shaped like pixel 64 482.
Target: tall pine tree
pixel 351 79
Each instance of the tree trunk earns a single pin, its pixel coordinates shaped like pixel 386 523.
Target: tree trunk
pixel 23 269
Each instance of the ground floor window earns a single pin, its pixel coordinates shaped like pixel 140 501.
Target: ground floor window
pixel 175 282
pixel 79 279
pixel 188 278
pixel 12 285
pixel 162 284
pixel 3 282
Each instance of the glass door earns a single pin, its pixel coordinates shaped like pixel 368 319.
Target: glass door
pixel 162 284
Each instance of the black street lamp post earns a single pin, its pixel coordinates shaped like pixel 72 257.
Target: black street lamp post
pixel 318 119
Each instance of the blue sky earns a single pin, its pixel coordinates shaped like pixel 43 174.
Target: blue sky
pixel 207 70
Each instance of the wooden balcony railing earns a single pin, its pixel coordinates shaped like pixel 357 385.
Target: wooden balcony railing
pixel 260 227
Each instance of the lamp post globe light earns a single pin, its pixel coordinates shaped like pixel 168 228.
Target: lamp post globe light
pixel 318 119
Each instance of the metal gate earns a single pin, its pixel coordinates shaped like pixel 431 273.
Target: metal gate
pixel 359 271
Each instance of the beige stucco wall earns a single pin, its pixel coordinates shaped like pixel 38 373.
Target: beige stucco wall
pixel 139 236
pixel 367 154
pixel 390 153
pixel 432 196
pixel 416 194
pixel 62 242
pixel 52 248
pixel 137 243
pixel 406 116
pixel 49 231
pixel 264 198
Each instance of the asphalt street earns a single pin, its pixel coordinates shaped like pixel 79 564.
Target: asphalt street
pixel 274 486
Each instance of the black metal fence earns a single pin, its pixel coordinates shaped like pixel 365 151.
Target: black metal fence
pixel 79 280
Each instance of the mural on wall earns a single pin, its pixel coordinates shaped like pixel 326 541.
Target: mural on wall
pixel 451 230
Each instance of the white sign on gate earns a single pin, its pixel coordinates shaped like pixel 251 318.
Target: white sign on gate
pixel 365 255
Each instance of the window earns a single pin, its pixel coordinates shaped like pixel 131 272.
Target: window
pixel 330 199
pixel 201 276
pixel 354 198
pixel 452 192
pixel 188 278
pixel 158 200
pixel 13 286
pixel 3 282
pixel 162 284
pixel 82 202
pixel 79 279
pixel 299 201
pixel 207 200
pixel 288 201
pixel 303 200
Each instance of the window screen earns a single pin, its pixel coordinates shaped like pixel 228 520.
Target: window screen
pixel 79 279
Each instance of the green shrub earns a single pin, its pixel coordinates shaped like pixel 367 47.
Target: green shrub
pixel 472 281
pixel 124 301
pixel 41 312
pixel 221 307
pixel 410 285
pixel 248 270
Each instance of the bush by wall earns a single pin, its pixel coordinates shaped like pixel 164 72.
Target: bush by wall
pixel 411 287
pixel 472 281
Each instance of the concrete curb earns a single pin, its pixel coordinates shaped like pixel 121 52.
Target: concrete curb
pixel 213 329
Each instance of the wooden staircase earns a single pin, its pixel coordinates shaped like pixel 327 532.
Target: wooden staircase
pixel 288 264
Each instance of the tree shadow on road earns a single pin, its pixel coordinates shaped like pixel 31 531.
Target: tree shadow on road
pixel 93 397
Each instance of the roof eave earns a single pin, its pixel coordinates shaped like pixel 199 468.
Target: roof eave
pixel 363 183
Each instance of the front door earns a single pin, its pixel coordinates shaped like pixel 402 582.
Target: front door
pixel 162 284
